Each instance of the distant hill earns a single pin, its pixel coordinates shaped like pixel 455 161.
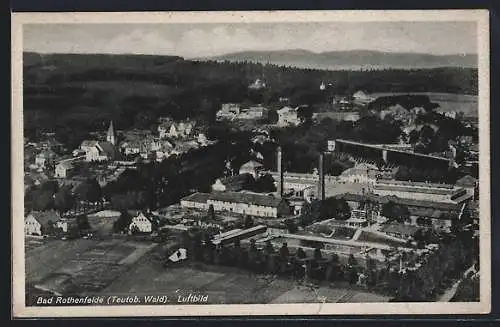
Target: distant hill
pixel 350 60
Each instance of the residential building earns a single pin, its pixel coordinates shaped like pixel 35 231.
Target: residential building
pixel 65 224
pixel 362 98
pixel 45 158
pixel 245 203
pixel 168 128
pixel 253 168
pixel 64 169
pixel 422 213
pixel 288 117
pixel 256 112
pixel 257 84
pixel 87 145
pixel 40 222
pixel 228 111
pixel 143 222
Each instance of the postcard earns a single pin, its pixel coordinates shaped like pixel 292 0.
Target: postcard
pixel 250 163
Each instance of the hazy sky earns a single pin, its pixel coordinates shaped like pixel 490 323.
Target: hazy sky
pixel 198 40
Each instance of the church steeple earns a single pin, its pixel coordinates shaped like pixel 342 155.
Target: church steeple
pixel 110 137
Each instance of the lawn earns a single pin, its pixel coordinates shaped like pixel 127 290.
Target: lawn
pixel 374 238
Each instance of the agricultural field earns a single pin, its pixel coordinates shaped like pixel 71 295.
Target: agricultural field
pixel 226 285
pixel 88 265
pixel 448 101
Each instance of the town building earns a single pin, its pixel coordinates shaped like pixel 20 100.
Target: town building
pixel 470 184
pixel 233 183
pixel 361 173
pixel 351 116
pixel 257 84
pixel 362 98
pixel 65 224
pixel 288 117
pixel 87 145
pixel 253 168
pixel 40 222
pixel 228 111
pixel 422 191
pixel 245 203
pixel 45 158
pixel 440 215
pixel 143 222
pixel 102 151
pixel 168 128
pixel 64 169
pixel 256 112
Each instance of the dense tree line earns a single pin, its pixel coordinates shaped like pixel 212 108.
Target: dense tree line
pixel 76 94
pixel 416 281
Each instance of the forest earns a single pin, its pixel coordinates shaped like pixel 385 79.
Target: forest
pixel 76 94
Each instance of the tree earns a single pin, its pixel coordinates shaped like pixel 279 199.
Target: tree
pixel 264 184
pixel 334 208
pixel 82 222
pixel 211 212
pixel 43 200
pixel 397 212
pixel 122 222
pixel 290 226
pixel 89 191
pixel 248 223
pixel 63 200
pixel 301 254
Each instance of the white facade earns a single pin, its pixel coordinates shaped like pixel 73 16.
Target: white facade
pixel 185 203
pixel 32 226
pixel 288 117
pixel 142 223
pixel 244 208
pixel 63 170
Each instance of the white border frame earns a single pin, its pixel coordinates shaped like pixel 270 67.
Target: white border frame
pixel 18 276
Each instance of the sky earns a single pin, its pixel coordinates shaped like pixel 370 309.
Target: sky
pixel 206 39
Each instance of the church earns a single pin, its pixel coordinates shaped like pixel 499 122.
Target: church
pixel 101 150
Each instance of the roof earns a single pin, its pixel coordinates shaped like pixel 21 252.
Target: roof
pixel 408 202
pixel 467 180
pixel 88 143
pixel 248 198
pixel 400 229
pixel 197 197
pixel 409 189
pixel 43 217
pixel 285 110
pixel 47 154
pixel 106 148
pixel 415 184
pixel 252 164
pixel 65 164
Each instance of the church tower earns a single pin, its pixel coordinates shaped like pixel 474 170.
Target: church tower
pixel 110 137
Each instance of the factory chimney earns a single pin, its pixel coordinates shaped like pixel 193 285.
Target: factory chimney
pixel 321 177
pixel 280 172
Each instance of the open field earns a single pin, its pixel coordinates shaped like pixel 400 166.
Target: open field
pixel 226 285
pixel 90 264
pixel 449 102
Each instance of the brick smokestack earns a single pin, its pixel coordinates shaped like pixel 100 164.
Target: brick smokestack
pixel 321 177
pixel 280 172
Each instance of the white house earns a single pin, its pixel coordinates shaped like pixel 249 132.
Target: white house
pixel 39 222
pixel 362 98
pixel 45 158
pixel 63 169
pixel 142 223
pixel 65 224
pixel 288 117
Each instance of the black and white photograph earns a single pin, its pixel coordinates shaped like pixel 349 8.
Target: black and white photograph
pixel 251 163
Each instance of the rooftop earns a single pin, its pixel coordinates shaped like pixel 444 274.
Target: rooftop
pixel 400 229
